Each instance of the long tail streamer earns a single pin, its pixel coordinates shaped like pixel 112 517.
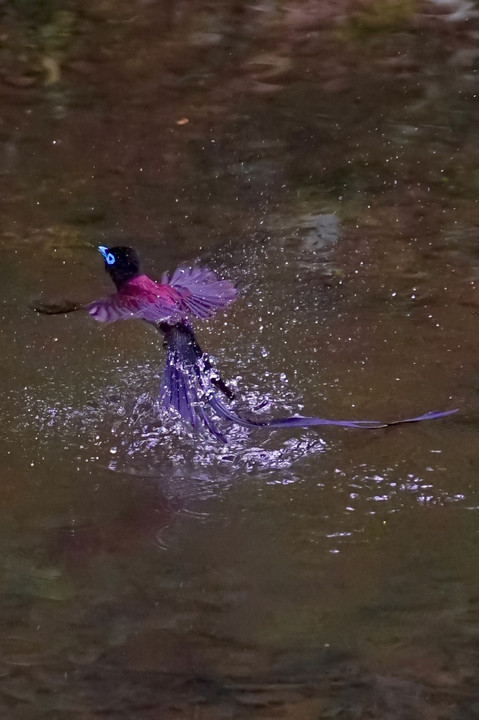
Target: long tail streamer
pixel 189 386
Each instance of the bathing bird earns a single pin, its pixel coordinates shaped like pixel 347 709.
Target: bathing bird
pixel 190 384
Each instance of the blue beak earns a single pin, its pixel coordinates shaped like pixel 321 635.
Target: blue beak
pixel 103 251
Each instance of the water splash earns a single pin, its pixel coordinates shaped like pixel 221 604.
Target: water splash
pixel 122 428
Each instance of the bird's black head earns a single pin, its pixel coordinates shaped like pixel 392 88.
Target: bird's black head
pixel 121 263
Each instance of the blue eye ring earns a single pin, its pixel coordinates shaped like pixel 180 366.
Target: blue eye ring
pixel 108 256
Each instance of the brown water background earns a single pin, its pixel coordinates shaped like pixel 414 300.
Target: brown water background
pixel 323 156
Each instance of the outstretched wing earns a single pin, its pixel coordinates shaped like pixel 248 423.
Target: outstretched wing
pixel 201 291
pixel 302 422
pixel 190 291
pixel 113 308
pixel 131 307
pixel 141 299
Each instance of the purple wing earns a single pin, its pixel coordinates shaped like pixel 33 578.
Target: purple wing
pixel 201 291
pixel 129 307
pixel 111 308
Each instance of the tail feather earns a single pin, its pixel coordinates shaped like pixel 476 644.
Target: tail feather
pixel 432 415
pixel 299 421
pixel 188 388
pixel 182 384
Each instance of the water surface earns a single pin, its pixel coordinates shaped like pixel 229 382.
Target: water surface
pixel 328 166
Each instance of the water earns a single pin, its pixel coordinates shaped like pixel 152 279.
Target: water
pixel 323 156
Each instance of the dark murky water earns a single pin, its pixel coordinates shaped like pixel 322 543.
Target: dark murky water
pixel 329 166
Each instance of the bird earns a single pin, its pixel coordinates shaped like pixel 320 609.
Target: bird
pixel 190 384
pixel 169 306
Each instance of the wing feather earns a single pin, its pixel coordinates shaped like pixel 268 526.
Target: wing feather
pixel 201 291
pixel 155 305
pixel 189 291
